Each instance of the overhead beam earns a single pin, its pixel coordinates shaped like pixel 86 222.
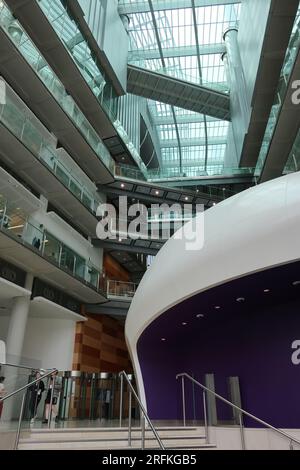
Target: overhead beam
pixel 170 52
pixel 161 5
pixel 181 119
pixel 201 142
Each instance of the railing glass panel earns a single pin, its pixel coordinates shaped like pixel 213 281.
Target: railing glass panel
pixel 16 222
pixel 288 66
pixel 32 55
pixel 16 117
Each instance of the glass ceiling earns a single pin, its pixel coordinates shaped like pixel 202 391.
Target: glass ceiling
pixel 180 43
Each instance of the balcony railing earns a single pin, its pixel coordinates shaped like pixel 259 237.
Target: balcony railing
pixel 19 120
pixel 31 54
pixel 282 90
pixel 119 289
pixel 17 223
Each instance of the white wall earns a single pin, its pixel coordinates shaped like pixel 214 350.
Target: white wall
pixel 50 341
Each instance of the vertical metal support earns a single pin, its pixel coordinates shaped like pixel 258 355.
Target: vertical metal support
pixel 121 399
pixel 52 380
pixel 143 424
pixel 20 423
pixel 129 418
pixel 183 401
pixel 205 418
pixel 291 445
pixel 242 431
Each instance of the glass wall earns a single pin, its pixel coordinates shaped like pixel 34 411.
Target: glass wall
pixel 18 224
pixel 32 55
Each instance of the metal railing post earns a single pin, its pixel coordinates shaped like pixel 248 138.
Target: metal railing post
pixel 51 400
pixel 20 423
pixel 205 418
pixel 183 401
pixel 242 431
pixel 121 400
pixel 142 409
pixel 129 418
pixel 143 425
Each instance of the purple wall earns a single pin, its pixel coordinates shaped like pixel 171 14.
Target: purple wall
pixel 251 340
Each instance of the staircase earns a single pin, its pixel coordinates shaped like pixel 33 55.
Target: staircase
pixel 112 439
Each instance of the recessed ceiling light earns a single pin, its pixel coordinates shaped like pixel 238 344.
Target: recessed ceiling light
pixel 240 299
pixel 296 283
pixel 266 291
pixel 200 315
pixel 122 185
pixel 186 198
pixel 163 339
pixel 184 323
pixel 217 307
pixel 157 193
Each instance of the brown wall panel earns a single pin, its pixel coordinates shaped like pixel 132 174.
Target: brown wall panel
pixel 100 345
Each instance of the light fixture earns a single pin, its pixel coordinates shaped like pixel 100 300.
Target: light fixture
pixel 217 307
pixel 266 291
pixel 157 193
pixel 120 240
pixel 163 339
pixel 214 203
pixel 200 315
pixel 240 299
pixel 122 185
pixel 184 323
pixel 197 190
pixel 296 283
pixel 186 198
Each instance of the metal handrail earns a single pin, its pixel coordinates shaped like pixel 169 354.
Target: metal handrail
pixel 28 385
pixel 123 374
pixel 21 367
pixel 241 410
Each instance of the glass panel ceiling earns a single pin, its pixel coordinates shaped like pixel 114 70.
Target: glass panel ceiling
pixel 178 41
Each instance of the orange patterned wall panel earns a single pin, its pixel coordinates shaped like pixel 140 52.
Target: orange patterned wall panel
pixel 100 345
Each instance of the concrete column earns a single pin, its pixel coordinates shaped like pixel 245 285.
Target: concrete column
pixel 17 324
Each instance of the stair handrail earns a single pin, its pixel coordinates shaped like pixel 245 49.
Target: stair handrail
pixel 123 374
pixel 9 395
pixel 241 410
pixel 19 366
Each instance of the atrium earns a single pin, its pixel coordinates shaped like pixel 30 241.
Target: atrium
pixel 149 221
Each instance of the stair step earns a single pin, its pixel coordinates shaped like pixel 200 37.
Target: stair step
pixel 92 445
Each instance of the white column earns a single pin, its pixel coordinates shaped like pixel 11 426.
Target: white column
pixel 17 324
pixel 236 77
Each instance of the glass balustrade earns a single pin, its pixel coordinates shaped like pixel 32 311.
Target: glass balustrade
pixel 282 90
pixel 32 55
pixel 15 116
pixel 69 33
pixel 16 222
pixel 120 289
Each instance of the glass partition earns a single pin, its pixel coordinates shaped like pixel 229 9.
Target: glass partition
pixel 18 119
pixel 282 90
pixel 16 222
pixel 32 55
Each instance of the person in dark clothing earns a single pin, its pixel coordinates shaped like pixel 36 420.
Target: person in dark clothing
pixel 36 396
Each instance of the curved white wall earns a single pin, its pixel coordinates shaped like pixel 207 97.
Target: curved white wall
pixel 254 230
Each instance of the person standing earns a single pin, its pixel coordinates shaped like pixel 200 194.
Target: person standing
pixel 2 393
pixel 36 395
pixel 54 389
